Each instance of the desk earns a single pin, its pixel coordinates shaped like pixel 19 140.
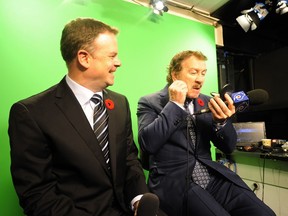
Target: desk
pixel 269 173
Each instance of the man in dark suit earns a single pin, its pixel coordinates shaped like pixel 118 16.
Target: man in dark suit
pixel 177 144
pixel 58 166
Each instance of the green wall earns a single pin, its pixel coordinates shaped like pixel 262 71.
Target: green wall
pixel 31 60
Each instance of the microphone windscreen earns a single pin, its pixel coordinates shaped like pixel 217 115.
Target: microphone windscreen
pixel 148 205
pixel 257 96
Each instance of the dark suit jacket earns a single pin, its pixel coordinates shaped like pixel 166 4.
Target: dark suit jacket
pixel 163 136
pixel 57 165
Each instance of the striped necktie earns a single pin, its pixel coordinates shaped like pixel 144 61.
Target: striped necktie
pixel 100 125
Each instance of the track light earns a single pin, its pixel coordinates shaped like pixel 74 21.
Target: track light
pixel 251 18
pixel 282 7
pixel 158 6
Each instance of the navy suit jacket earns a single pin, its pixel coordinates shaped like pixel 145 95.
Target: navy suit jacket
pixel 57 165
pixel 163 137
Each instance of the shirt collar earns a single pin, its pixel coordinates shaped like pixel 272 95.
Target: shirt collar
pixel 82 94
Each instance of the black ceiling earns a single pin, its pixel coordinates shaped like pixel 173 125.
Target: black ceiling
pixel 271 34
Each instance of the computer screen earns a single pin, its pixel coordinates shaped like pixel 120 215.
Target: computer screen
pixel 249 132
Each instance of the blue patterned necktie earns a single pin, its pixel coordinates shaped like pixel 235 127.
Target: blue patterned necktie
pixel 200 174
pixel 100 126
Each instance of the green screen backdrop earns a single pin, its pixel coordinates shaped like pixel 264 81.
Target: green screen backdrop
pixel 31 60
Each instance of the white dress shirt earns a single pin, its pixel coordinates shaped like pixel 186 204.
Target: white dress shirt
pixel 83 96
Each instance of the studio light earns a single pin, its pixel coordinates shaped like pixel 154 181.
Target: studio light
pixel 158 6
pixel 282 7
pixel 251 18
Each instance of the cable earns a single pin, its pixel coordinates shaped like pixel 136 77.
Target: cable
pixel 263 170
pixel 255 187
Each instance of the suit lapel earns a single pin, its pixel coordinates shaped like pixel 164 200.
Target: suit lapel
pixel 199 104
pixel 164 96
pixel 70 107
pixel 197 107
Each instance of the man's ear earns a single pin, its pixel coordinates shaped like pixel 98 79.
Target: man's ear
pixel 83 58
pixel 173 75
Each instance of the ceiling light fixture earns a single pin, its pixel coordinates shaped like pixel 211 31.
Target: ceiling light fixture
pixel 252 17
pixel 282 7
pixel 158 6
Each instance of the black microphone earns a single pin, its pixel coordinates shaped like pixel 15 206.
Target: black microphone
pixel 148 205
pixel 242 101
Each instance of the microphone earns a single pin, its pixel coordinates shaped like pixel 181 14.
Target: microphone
pixel 148 205
pixel 242 101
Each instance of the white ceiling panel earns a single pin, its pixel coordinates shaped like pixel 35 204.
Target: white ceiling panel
pixel 208 6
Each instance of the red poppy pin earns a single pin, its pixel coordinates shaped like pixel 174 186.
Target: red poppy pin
pixel 109 104
pixel 200 102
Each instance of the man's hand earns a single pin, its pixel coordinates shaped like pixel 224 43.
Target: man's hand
pixel 148 205
pixel 136 204
pixel 177 92
pixel 221 110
